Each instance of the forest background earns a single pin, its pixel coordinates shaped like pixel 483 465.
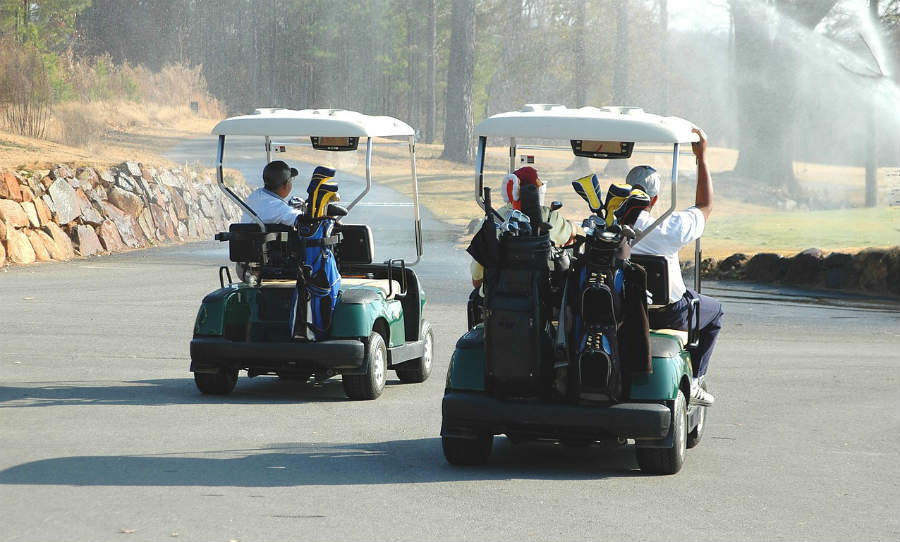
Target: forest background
pixel 779 83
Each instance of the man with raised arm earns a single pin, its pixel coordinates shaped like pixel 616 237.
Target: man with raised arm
pixel 679 229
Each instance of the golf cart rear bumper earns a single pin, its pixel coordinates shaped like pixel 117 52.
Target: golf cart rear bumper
pixel 210 353
pixel 468 414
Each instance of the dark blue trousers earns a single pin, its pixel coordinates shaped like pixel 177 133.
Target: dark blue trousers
pixel 675 316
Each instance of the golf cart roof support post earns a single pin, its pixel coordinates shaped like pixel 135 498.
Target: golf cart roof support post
pixel 362 194
pixel 698 255
pixel 268 149
pixel 220 153
pixel 415 179
pixel 479 170
pixel 640 235
pixel 512 154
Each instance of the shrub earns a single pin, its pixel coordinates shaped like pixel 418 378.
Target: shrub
pixel 25 89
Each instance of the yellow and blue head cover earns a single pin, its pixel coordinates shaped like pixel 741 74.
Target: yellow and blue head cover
pixel 320 192
pixel 588 187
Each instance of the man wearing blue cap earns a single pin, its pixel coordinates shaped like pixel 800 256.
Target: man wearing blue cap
pixel 677 230
pixel 269 202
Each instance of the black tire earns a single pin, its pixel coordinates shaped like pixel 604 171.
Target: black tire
pixel 696 434
pixel 220 383
pixel 418 370
pixel 668 460
pixel 370 385
pixel 467 451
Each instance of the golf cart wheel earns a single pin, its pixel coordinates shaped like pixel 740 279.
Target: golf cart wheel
pixel 696 434
pixel 370 385
pixel 467 451
pixel 668 460
pixel 418 370
pixel 220 383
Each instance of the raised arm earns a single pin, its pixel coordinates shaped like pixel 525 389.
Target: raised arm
pixel 704 198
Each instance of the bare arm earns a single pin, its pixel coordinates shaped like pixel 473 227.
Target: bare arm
pixel 704 198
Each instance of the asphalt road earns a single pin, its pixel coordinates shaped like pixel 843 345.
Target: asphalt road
pixel 103 435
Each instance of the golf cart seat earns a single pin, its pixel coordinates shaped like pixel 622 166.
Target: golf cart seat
pixel 390 288
pixel 657 269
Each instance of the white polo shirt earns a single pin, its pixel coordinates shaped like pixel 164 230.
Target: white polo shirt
pixel 270 208
pixel 677 230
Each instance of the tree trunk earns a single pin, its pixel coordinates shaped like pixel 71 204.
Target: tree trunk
pixel 430 53
pixel 872 143
pixel 664 57
pixel 581 71
pixel 620 71
pixel 764 54
pixel 459 127
pixel 764 110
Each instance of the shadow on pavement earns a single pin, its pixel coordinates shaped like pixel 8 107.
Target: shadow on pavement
pixel 174 391
pixel 294 464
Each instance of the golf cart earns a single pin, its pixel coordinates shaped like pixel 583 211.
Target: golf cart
pixel 563 352
pixel 259 323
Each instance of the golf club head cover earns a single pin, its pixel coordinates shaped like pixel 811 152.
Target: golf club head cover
pixel 531 205
pixel 615 195
pixel 588 187
pixel 314 191
pixel 629 209
pixel 510 189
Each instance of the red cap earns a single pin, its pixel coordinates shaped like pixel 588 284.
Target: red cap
pixel 528 175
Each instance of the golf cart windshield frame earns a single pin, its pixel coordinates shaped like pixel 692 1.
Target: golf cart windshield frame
pixel 369 149
pixel 479 193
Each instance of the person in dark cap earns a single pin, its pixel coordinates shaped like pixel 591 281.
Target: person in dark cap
pixel 677 230
pixel 269 202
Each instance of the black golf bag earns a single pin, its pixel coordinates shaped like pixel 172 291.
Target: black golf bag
pixel 515 320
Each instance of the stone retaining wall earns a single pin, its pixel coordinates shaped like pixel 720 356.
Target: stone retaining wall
pixel 63 213
pixel 871 271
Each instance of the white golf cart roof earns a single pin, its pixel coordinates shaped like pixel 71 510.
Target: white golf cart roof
pixel 553 121
pixel 312 122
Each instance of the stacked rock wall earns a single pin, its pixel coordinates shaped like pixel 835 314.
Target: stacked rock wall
pixel 64 212
pixel 873 271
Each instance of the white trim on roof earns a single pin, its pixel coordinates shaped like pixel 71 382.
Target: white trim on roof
pixel 312 122
pixel 553 121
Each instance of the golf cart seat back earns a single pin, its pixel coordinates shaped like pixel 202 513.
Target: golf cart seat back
pixel 271 249
pixel 657 269
pixel 356 247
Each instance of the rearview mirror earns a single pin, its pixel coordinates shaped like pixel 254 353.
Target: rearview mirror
pixel 556 206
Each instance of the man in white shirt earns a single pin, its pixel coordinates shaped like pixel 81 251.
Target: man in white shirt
pixel 268 202
pixel 677 230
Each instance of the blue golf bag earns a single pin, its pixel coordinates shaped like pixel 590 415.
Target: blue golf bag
pixel 318 282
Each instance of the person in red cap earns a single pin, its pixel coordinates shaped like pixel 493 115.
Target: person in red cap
pixel 561 230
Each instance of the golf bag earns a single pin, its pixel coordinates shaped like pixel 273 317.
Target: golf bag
pixel 599 284
pixel 515 319
pixel 318 281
